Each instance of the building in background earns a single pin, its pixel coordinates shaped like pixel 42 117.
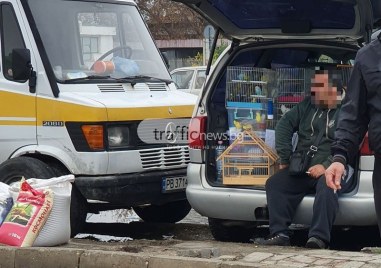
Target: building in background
pixel 185 52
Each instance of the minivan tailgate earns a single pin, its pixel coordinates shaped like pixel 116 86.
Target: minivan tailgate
pixel 275 19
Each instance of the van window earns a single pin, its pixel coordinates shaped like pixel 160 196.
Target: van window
pixel 11 37
pixel 88 39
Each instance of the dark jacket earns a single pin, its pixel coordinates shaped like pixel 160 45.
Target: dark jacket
pixel 361 108
pixel 307 120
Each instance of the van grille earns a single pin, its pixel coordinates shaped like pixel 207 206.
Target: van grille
pixel 165 157
pixel 137 86
pixel 111 88
pixel 151 86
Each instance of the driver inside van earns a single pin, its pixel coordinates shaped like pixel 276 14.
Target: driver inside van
pixel 284 191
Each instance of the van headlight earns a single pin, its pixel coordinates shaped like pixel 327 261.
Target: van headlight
pixel 118 136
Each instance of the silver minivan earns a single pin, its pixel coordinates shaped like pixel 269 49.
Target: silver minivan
pixel 274 35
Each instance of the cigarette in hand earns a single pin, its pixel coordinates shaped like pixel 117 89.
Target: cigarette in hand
pixel 308 172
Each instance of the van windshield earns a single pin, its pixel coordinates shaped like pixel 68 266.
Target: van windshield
pixel 96 40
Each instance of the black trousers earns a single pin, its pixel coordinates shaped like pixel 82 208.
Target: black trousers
pixel 376 180
pixel 285 192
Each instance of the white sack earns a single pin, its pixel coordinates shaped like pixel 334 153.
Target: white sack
pixel 56 230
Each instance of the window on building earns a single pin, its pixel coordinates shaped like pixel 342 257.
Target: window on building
pixel 89 47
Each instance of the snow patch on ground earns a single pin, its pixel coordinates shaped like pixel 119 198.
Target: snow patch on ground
pixel 113 216
pixel 103 238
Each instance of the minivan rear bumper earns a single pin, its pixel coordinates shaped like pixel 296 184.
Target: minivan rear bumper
pixel 356 208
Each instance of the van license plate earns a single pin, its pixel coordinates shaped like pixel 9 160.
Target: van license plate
pixel 173 184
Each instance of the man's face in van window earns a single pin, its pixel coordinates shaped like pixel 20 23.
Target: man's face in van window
pixel 323 93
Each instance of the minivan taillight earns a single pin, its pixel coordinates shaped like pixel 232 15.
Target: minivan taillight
pixel 365 149
pixel 196 132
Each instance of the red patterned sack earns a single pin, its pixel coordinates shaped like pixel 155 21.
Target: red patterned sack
pixel 27 216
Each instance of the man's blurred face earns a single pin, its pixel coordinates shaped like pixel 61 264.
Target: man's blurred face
pixel 323 93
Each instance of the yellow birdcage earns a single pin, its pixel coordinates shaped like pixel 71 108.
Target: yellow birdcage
pixel 247 161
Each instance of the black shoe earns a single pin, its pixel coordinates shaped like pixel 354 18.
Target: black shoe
pixel 314 242
pixel 274 240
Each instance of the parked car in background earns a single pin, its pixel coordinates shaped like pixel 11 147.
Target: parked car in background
pixel 290 40
pixel 189 79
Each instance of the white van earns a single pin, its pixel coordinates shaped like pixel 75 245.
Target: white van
pixel 189 79
pixel 77 79
pixel 288 38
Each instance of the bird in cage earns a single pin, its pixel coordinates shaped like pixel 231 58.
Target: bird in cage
pixel 284 109
pixel 237 125
pixel 258 91
pixel 258 117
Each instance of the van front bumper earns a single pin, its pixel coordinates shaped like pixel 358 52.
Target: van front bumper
pixel 130 189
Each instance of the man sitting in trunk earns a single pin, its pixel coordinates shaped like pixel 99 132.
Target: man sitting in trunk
pixel 316 113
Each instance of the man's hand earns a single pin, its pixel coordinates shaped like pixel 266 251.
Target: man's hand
pixel 282 166
pixel 316 171
pixel 333 175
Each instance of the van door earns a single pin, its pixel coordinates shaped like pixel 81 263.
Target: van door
pixel 17 103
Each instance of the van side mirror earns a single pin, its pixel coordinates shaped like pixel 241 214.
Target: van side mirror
pixel 21 64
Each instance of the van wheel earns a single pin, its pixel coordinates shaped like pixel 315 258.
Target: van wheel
pixel 14 169
pixel 231 231
pixel 78 211
pixel 169 213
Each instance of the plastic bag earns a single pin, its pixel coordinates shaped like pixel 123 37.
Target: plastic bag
pixel 27 216
pixel 6 201
pixel 56 230
pixel 125 67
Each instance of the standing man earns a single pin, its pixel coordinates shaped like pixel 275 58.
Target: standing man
pixel 360 112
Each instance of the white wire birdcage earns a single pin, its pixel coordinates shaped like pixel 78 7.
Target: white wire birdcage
pixel 293 85
pixel 247 98
pixel 248 84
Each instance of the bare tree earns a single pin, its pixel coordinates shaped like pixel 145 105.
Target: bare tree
pixel 170 20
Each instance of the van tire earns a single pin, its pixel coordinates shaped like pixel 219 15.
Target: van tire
pixel 223 231
pixel 167 213
pixel 78 211
pixel 14 169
